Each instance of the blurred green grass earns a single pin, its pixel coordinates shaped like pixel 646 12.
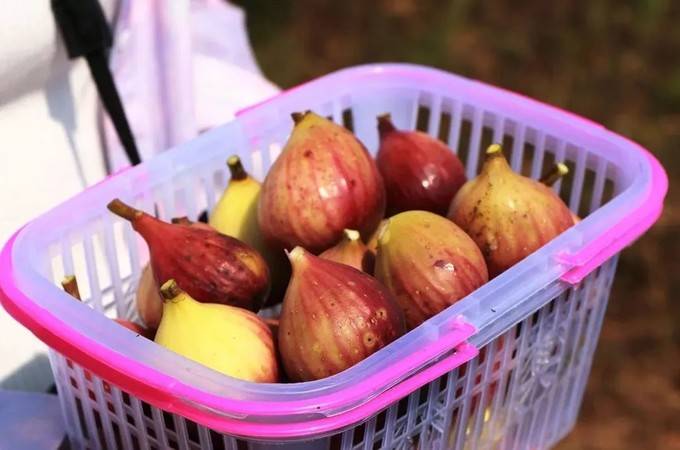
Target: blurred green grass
pixel 616 62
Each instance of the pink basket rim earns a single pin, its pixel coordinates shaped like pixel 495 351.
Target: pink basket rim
pixel 170 395
pixel 60 336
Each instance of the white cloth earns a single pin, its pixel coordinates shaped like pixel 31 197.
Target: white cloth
pixel 180 66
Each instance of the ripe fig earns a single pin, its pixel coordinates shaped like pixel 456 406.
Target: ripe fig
pixel 352 251
pixel 230 340
pixel 428 263
pixel 323 182
pixel 333 316
pixel 508 215
pixel 148 298
pixel 235 215
pixel 419 171
pixel 209 266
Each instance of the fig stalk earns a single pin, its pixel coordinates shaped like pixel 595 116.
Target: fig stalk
pixel 558 171
pixel 209 266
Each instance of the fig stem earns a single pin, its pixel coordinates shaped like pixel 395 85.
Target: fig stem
pixel 385 124
pixel 170 289
pixel 494 150
pixel 184 220
pixel 351 235
pixel 123 210
pixel 70 285
pixel 236 168
pixel 558 171
pixel 295 254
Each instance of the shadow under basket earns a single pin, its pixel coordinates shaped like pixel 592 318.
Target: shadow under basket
pixel 504 368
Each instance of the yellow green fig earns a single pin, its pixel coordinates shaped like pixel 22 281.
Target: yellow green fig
pixel 508 215
pixel 323 182
pixel 428 263
pixel 230 340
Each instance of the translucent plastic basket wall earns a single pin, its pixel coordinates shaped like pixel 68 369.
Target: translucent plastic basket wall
pixel 503 368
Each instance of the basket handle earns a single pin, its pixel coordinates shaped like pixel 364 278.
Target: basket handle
pixel 596 252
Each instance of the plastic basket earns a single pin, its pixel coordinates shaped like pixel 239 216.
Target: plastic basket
pixel 503 368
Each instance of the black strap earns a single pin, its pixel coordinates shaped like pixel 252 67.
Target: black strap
pixel 86 33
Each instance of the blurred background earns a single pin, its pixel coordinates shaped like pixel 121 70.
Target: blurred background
pixel 616 62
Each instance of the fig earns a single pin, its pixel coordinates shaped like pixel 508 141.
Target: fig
pixel 209 266
pixel 508 215
pixel 148 298
pixel 235 215
pixel 428 263
pixel 323 182
pixel 352 251
pixel 333 316
pixel 419 171
pixel 230 340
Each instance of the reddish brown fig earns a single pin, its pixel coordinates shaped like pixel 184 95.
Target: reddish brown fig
pixel 149 301
pixel 333 317
pixel 428 263
pixel 352 251
pixel 323 182
pixel 508 215
pixel 419 171
pixel 209 266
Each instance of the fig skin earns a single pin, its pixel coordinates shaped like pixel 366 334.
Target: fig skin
pixel 508 215
pixel 352 251
pixel 323 182
pixel 372 241
pixel 419 171
pixel 148 299
pixel 428 263
pixel 333 316
pixel 209 266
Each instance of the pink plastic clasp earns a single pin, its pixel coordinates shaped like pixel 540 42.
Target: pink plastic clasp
pixel 591 256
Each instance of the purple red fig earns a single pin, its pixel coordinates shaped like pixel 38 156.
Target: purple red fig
pixel 508 215
pixel 428 263
pixel 323 182
pixel 352 251
pixel 209 266
pixel 419 171
pixel 333 317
